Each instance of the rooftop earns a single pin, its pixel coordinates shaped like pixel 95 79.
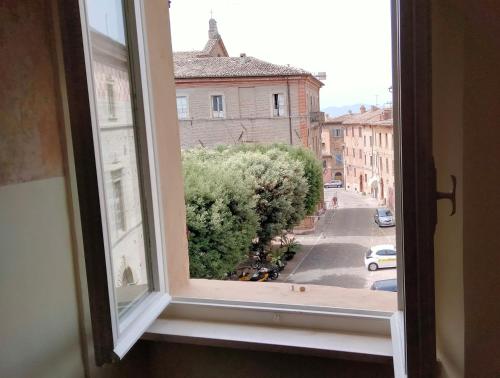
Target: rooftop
pixel 186 66
pixel 373 116
pixel 214 62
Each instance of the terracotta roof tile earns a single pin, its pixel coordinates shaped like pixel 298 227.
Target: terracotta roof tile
pixel 191 67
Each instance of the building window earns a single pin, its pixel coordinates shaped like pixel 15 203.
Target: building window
pixel 353 152
pixel 360 153
pixel 346 131
pixel 366 177
pixel 182 107
pixel 371 141
pixel 338 158
pixel 365 159
pixel 337 133
pixel 217 106
pixel 111 100
pixel 364 140
pixel 324 163
pixel 386 140
pixel 278 105
pixel 380 139
pixel 381 164
pixel 387 165
pixel 360 131
pixel 371 161
pixel 117 202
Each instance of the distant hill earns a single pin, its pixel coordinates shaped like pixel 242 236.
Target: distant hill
pixel 335 111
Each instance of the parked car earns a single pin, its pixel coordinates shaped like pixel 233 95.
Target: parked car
pixel 333 184
pixel 384 217
pixel 385 285
pixel 381 256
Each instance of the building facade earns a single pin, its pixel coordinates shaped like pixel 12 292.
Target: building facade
pixel 369 153
pixel 332 149
pixel 230 100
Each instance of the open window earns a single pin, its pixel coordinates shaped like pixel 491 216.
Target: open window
pixel 116 172
pixel 126 190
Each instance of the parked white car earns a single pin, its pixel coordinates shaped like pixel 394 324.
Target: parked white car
pixel 381 256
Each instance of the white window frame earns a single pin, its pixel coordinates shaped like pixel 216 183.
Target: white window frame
pixel 125 331
pixel 220 114
pixel 186 115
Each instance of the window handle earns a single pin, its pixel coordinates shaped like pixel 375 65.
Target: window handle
pixel 450 195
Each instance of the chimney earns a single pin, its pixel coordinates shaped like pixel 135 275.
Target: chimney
pixel 213 33
pixel 362 109
pixel 387 114
pixel 243 55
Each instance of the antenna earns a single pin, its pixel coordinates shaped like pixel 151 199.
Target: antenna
pixel 211 14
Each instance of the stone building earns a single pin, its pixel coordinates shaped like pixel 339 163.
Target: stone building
pixel 229 100
pixel 332 148
pixel 369 153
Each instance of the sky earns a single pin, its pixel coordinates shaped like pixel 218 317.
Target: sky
pixel 348 39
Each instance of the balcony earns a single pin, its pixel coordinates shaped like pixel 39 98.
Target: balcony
pixel 317 117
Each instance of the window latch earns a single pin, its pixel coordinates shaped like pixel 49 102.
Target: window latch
pixel 450 195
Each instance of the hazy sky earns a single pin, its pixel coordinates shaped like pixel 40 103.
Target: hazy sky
pixel 349 39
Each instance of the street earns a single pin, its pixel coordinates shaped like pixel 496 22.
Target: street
pixel 334 254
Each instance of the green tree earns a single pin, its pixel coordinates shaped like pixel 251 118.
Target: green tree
pixel 313 172
pixel 221 218
pixel 279 185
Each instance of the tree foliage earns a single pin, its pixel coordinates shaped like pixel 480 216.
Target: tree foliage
pixel 221 218
pixel 242 193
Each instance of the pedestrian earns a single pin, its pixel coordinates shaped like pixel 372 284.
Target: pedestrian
pixel 334 200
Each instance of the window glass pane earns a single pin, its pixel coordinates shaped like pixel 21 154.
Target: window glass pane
pixel 118 151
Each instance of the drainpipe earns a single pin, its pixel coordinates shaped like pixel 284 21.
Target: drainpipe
pixel 289 110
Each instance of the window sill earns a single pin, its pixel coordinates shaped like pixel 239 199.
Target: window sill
pixel 324 343
pixel 301 328
pixel 280 293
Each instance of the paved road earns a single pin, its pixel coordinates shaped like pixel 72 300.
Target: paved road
pixel 334 253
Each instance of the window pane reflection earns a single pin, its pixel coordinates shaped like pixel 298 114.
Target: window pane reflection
pixel 118 140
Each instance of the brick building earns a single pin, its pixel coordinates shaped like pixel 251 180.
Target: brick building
pixel 228 100
pixel 369 153
pixel 332 148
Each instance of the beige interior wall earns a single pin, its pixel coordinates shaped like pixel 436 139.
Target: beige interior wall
pixel 481 188
pixel 39 327
pixel 448 91
pixel 466 57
